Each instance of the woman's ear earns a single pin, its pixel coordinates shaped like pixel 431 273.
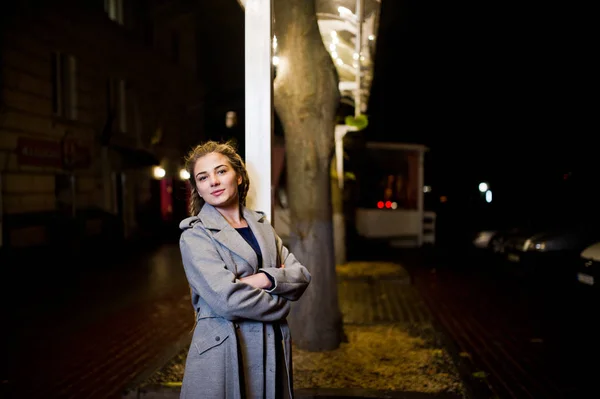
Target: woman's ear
pixel 239 180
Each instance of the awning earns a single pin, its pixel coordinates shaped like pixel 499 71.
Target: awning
pixel 339 25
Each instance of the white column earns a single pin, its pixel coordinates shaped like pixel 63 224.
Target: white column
pixel 358 48
pixel 259 103
pixel 340 132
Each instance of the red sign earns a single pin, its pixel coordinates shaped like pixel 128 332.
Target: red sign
pixel 39 152
pixel 66 154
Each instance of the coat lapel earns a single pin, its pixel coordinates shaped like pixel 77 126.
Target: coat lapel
pixel 227 235
pixel 263 232
pixel 232 240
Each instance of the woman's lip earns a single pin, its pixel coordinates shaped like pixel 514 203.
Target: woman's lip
pixel 218 192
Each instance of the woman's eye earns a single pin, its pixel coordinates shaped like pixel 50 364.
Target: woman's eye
pixel 222 171
pixel 202 178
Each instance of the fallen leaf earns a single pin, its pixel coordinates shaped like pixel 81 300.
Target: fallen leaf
pixel 480 374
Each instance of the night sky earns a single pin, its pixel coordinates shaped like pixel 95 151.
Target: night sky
pixel 495 89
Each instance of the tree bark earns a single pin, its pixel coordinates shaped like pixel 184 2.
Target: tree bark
pixel 306 98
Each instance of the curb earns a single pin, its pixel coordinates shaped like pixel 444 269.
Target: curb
pixel 357 393
pixel 474 388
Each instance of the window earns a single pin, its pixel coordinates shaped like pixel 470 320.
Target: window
pixel 64 86
pixel 116 102
pixel 114 9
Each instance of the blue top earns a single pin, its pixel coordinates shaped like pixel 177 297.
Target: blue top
pixel 251 239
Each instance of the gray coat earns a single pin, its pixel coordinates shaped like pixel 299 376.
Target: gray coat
pixel 233 353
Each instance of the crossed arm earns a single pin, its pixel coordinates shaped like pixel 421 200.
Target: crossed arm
pixel 258 280
pixel 252 297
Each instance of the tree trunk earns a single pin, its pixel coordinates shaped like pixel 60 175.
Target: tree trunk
pixel 306 97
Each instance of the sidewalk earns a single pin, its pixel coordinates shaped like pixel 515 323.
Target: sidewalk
pixel 405 355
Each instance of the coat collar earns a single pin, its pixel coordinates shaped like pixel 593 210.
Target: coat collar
pixel 225 234
pixel 213 220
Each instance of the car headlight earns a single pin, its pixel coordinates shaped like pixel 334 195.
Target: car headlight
pixel 534 246
pixel 540 246
pixel 483 239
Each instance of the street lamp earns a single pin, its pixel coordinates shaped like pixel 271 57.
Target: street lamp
pixel 184 174
pixel 483 187
pixel 158 172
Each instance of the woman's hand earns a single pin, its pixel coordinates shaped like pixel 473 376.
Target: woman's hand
pixel 258 280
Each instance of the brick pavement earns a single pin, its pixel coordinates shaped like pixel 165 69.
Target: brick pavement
pixel 369 301
pixel 87 334
pixel 100 359
pixel 530 341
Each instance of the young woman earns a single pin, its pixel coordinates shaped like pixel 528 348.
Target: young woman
pixel 242 281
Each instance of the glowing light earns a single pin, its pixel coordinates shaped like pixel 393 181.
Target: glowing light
pixel 158 172
pixel 346 13
pixel 483 187
pixel 184 174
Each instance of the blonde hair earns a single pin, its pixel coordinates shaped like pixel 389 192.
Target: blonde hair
pixel 229 150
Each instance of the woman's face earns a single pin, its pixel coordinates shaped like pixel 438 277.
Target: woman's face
pixel 216 180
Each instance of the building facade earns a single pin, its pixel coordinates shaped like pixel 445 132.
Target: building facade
pixel 99 101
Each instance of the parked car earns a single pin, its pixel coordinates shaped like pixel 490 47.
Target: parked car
pixel 496 241
pixel 549 255
pixel 588 270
